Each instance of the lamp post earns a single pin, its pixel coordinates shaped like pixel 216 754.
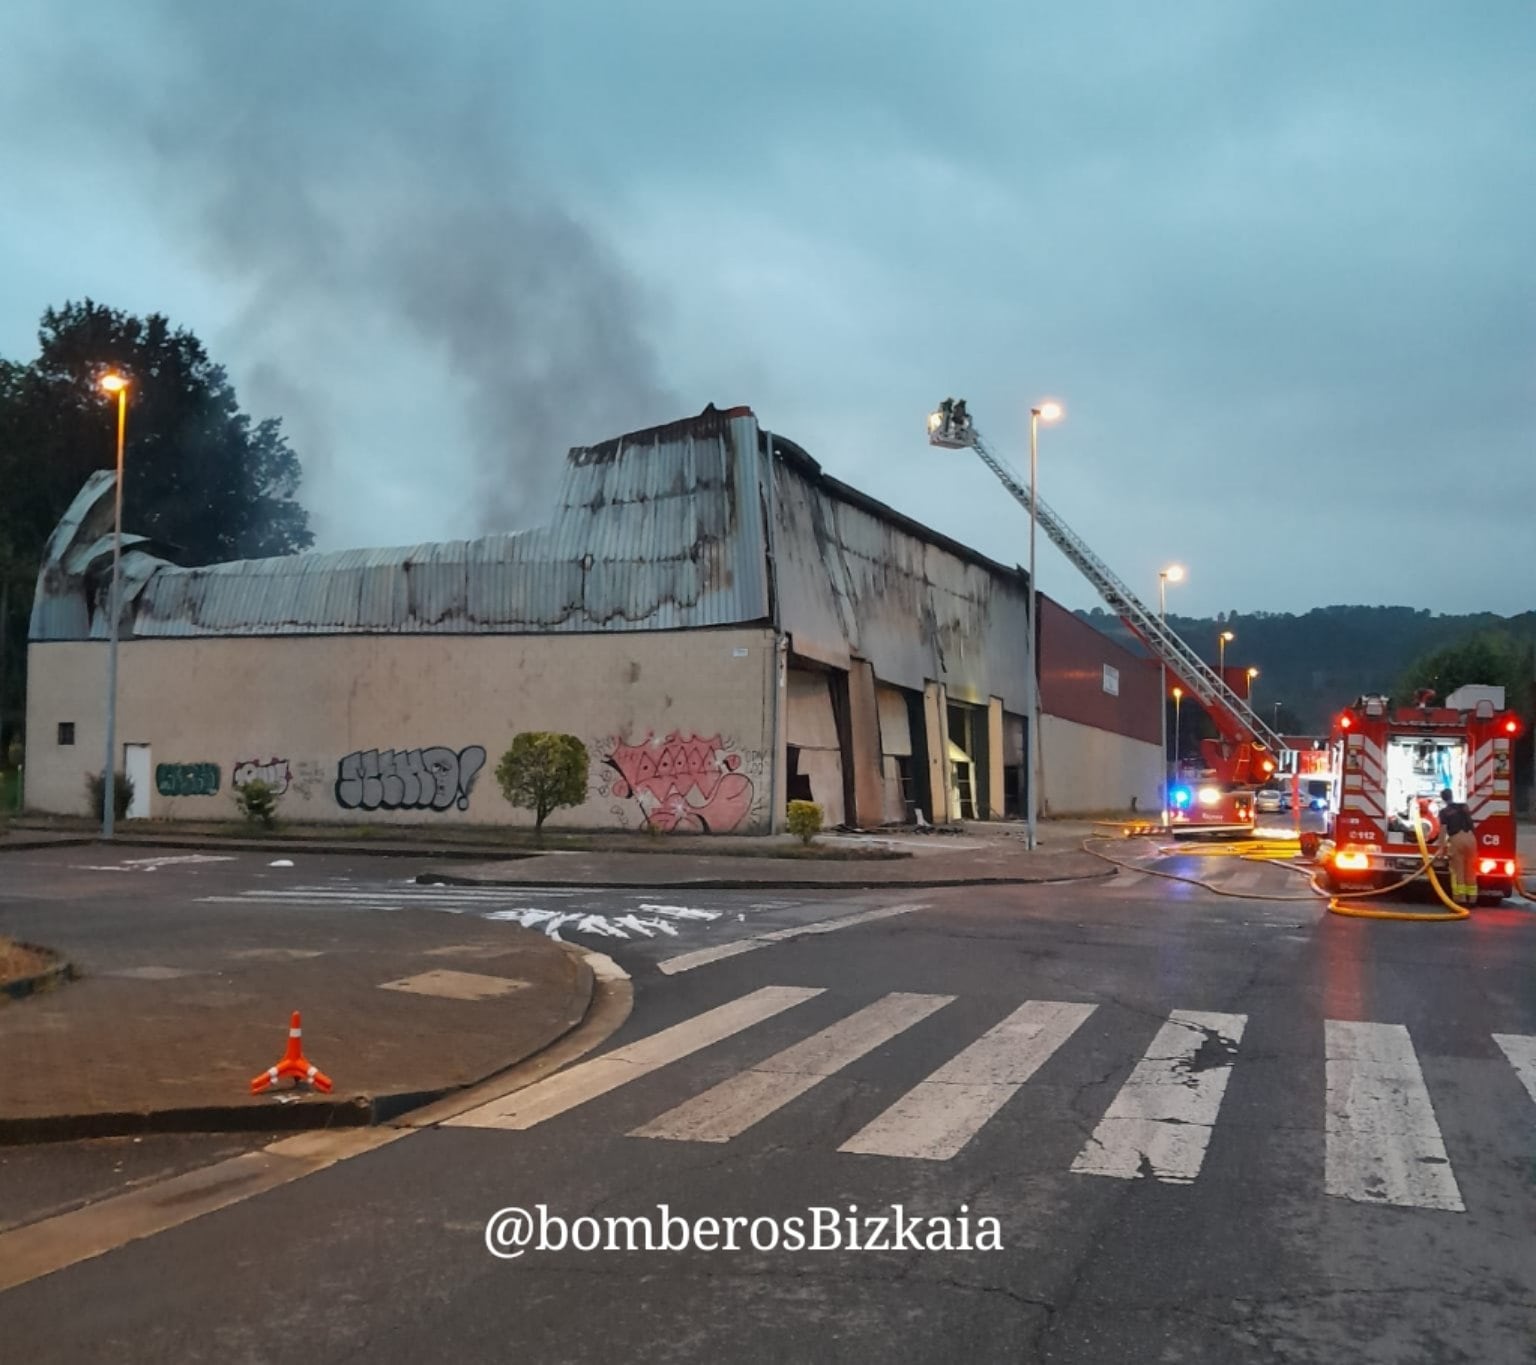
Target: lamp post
pixel 1178 708
pixel 1252 674
pixel 1046 412
pixel 1174 573
pixel 114 383
pixel 1277 717
pixel 1222 641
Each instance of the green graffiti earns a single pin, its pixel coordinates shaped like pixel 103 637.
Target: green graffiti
pixel 187 779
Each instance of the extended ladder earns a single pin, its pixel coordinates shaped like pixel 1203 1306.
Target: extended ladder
pixel 1232 714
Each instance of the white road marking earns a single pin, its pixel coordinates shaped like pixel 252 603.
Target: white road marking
pixel 587 1080
pixel 552 921
pixel 424 894
pixel 154 864
pixel 1383 1144
pixel 938 1116
pixel 1125 879
pixel 748 1097
pixel 686 962
pixel 1161 1121
pixel 1521 1052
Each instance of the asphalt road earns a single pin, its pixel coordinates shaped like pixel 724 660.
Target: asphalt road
pixel 1133 1079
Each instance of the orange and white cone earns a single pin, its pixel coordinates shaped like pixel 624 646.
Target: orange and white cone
pixel 294 1065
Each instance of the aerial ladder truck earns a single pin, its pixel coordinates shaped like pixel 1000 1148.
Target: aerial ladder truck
pixel 1245 754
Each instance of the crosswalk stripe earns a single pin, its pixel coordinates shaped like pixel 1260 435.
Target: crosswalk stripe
pixel 938 1116
pixel 748 1097
pixel 1521 1052
pixel 587 1080
pixel 1383 1145
pixel 1124 879
pixel 1247 879
pixel 1161 1121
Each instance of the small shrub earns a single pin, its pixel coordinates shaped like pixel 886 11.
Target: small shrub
pixel 542 772
pixel 257 801
pixel 804 820
pixel 122 794
pixel 15 752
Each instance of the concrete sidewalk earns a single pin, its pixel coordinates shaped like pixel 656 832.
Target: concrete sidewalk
pixel 174 1013
pixel 980 856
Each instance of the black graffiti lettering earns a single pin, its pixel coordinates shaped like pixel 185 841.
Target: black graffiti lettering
pixel 408 779
pixel 471 760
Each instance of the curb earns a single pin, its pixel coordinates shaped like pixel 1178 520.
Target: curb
pixel 359 1111
pixel 766 884
pixel 50 978
pixel 233 845
pixel 67 841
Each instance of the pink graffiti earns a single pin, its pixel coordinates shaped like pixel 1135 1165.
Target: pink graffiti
pixel 683 782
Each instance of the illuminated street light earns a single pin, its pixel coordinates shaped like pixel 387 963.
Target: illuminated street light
pixel 114 383
pixel 1252 674
pixel 1174 573
pixel 1222 641
pixel 1178 707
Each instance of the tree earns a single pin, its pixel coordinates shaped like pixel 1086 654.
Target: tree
pixel 201 478
pixel 542 772
pixel 1494 657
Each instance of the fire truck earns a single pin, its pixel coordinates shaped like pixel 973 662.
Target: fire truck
pixel 1246 753
pixel 1390 765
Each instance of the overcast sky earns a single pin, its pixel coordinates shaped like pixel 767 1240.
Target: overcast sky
pixel 1276 259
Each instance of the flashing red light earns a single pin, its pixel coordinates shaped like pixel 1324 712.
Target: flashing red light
pixel 1345 722
pixel 1267 766
pixel 1510 726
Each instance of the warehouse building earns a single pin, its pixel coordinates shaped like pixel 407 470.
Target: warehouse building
pixel 724 625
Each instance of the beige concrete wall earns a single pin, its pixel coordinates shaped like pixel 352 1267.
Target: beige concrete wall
pixel 868 773
pixel 316 708
pixel 1088 769
pixel 812 729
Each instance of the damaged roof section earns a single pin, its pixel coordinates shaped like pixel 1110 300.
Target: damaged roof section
pixel 858 579
pixel 657 530
pixel 663 529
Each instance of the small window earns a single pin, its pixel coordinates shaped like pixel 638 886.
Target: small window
pixel 66 732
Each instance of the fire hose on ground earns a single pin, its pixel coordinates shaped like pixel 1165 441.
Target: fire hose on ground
pixel 1283 852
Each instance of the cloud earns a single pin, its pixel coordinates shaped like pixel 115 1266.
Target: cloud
pixel 1275 259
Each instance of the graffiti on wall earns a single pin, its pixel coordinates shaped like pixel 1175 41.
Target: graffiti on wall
pixel 408 779
pixel 186 779
pixel 681 782
pixel 275 772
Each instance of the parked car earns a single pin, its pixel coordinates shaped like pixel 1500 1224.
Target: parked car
pixel 1314 794
pixel 1266 801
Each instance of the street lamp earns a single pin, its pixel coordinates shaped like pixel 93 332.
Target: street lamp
pixel 1252 674
pixel 1178 707
pixel 1174 573
pixel 1277 716
pixel 1222 641
pixel 114 383
pixel 1046 412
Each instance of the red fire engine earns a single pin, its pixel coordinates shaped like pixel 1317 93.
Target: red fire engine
pixel 1390 766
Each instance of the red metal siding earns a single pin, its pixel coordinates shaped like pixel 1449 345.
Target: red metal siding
pixel 1072 659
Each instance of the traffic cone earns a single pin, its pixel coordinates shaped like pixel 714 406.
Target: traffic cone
pixel 294 1064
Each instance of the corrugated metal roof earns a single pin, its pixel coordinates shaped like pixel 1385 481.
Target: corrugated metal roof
pixel 656 530
pixel 856 579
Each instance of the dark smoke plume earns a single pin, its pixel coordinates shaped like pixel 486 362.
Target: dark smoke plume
pixel 360 174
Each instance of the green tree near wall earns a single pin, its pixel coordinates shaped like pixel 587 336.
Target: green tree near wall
pixel 202 478
pixel 542 772
pixel 1498 658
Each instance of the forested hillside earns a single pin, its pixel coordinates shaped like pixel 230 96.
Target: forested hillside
pixel 1316 662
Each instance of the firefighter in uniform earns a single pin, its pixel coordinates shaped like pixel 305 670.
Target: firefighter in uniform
pixel 1460 844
